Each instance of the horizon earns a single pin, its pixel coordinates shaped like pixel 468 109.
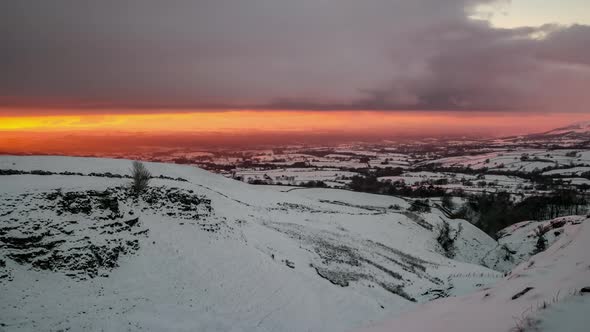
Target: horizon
pixel 125 133
pixel 257 69
pixel 465 55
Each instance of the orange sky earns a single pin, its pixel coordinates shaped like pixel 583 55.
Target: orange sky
pixel 120 132
pixel 404 123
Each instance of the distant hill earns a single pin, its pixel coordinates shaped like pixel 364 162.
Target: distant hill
pixel 576 128
pixel 576 135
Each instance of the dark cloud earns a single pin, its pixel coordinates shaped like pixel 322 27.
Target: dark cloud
pixel 477 67
pixel 305 54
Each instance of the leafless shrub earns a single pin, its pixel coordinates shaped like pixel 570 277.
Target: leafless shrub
pixel 525 323
pixel 140 177
pixel 446 239
pixel 420 206
pixel 541 244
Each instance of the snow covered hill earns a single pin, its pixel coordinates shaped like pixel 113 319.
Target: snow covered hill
pixel 576 128
pixel 547 292
pixel 200 252
pixel 574 135
pixel 517 242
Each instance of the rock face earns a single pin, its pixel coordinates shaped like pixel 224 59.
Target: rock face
pixel 84 233
pixel 177 203
pixel 341 260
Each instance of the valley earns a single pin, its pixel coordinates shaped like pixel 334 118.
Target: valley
pixel 198 250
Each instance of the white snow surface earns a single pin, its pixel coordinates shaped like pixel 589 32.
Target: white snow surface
pixel 579 127
pixel 253 258
pixel 553 302
pixel 261 260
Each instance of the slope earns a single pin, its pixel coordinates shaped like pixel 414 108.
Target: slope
pixel 544 291
pixel 201 252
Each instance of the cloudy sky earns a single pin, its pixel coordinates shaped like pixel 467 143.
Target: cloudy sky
pixel 426 55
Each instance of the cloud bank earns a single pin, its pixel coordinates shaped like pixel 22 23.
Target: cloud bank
pixel 283 54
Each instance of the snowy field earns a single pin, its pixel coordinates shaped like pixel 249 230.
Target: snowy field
pixel 201 252
pixel 542 293
pixel 524 160
pixel 296 176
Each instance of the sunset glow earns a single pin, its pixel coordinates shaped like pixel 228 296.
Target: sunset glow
pixel 120 131
pixel 434 123
pixel 209 73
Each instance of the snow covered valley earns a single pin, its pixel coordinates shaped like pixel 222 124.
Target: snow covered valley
pixel 200 252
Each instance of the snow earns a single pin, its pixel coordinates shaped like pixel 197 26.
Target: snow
pixel 295 175
pixel 262 260
pixel 568 171
pixel 571 313
pixel 520 238
pixel 553 276
pixel 577 181
pixel 580 127
pixel 535 159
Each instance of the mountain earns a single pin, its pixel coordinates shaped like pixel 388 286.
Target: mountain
pixel 198 251
pixel 576 135
pixel 576 128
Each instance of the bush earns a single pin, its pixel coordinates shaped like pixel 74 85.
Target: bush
pixel 395 207
pixel 508 253
pixel 494 211
pixel 541 244
pixel 140 177
pixel 314 184
pixel 446 239
pixel 447 202
pixel 420 206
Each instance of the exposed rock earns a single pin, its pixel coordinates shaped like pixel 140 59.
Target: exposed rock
pixel 341 262
pixel 84 233
pixel 522 292
pixel 132 222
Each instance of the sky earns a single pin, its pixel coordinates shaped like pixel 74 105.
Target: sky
pixel 517 13
pixel 114 65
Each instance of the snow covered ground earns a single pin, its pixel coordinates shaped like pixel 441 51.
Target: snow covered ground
pixel 523 160
pixel 294 176
pixel 542 293
pixel 201 252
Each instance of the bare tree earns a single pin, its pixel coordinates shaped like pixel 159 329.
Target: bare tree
pixel 141 177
